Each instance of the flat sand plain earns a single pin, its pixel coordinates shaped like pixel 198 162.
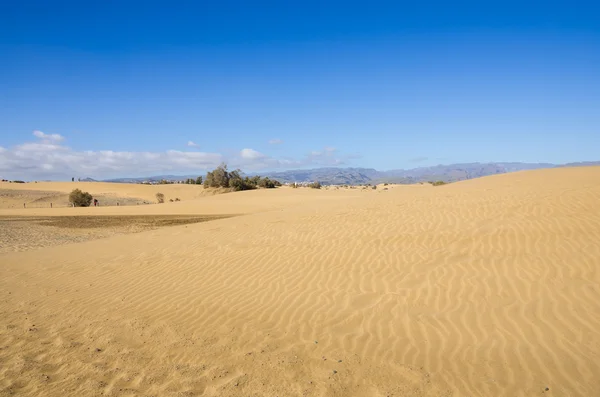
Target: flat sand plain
pixel 487 287
pixel 41 194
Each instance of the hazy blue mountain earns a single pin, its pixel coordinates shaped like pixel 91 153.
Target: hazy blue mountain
pixel 360 176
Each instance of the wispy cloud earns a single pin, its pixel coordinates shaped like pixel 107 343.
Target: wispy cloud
pixel 275 142
pixel 192 144
pixel 48 137
pixel 418 159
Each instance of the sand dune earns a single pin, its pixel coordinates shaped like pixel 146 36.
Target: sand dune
pixel 488 287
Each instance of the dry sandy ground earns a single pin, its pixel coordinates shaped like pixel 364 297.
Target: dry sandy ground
pixel 488 287
pixel 23 233
pixel 41 194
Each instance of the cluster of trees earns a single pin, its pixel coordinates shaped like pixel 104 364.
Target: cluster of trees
pixel 221 177
pixel 192 181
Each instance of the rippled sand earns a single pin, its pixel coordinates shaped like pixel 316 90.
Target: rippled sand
pixel 488 287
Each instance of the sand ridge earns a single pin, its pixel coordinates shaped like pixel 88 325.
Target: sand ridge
pixel 488 287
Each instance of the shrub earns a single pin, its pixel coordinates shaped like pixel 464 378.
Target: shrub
pixel 438 183
pixel 266 183
pixel 239 184
pixel 221 177
pixel 199 180
pixel 177 199
pixel 160 198
pixel 80 199
pixel 315 185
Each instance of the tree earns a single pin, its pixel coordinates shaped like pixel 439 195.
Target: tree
pixel 199 180
pixel 80 199
pixel 208 181
pixel 160 198
pixel 221 176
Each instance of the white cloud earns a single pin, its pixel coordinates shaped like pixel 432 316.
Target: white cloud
pixel 192 144
pixel 48 137
pixel 48 158
pixel 251 154
pixel 250 159
pixel 325 157
pixel 275 142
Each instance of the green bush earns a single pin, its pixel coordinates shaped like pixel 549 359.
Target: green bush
pixel 239 184
pixel 438 183
pixel 266 183
pixel 315 185
pixel 80 199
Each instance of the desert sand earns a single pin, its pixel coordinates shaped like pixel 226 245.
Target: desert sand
pixel 41 194
pixel 487 287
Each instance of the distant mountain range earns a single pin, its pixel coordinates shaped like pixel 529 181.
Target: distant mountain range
pixel 359 176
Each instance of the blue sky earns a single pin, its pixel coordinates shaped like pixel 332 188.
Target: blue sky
pixel 138 88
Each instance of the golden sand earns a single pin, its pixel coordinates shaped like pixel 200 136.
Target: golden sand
pixel 488 287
